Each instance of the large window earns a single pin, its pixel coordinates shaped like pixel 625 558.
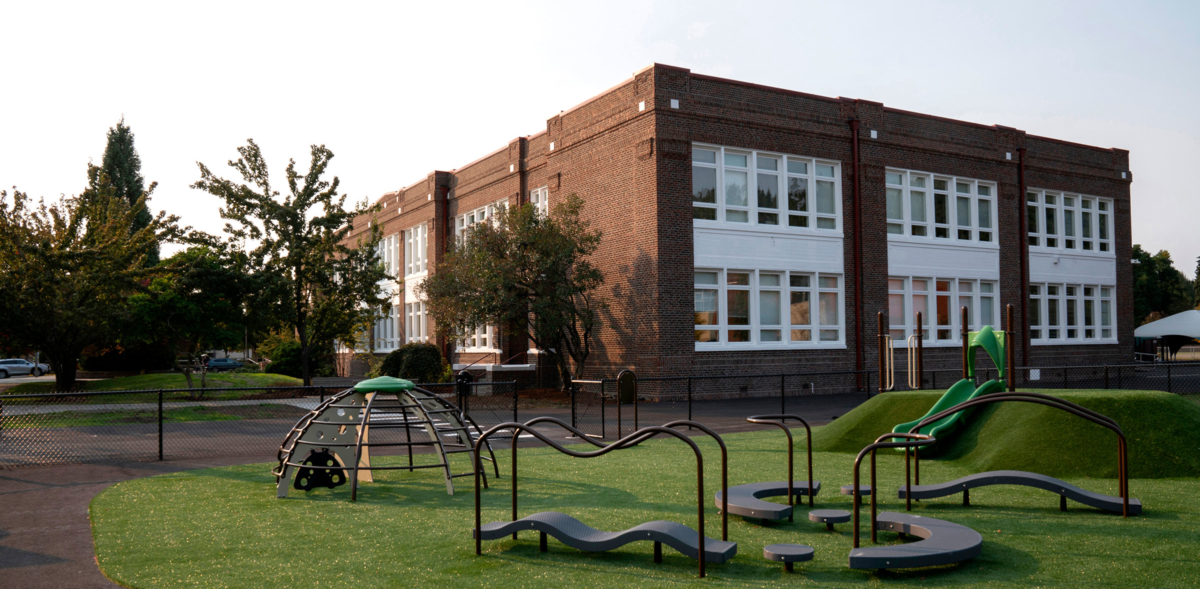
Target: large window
pixel 761 308
pixel 415 327
pixel 540 199
pixel 386 332
pixel 416 249
pixel 940 300
pixel 743 188
pixel 479 339
pixel 485 213
pixel 924 206
pixel 1074 313
pixel 1066 222
pixel 388 254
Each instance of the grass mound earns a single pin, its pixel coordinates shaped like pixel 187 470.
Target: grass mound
pixel 1160 428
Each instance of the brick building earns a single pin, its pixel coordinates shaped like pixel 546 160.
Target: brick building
pixel 741 207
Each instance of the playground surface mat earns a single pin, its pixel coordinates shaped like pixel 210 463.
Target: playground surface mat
pixel 223 527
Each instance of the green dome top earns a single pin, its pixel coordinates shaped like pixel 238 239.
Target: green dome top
pixel 384 384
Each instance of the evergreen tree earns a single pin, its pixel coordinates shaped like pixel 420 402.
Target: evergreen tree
pixel 123 167
pixel 1196 286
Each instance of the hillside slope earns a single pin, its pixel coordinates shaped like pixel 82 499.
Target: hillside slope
pixel 1163 432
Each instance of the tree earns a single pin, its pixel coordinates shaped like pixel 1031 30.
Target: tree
pixel 195 307
pixel 326 287
pixel 123 167
pixel 66 269
pixel 1196 286
pixel 526 271
pixel 1159 289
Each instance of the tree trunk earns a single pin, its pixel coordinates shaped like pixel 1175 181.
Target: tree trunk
pixel 304 354
pixel 64 374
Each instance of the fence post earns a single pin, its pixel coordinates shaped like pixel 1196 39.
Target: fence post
pixel 603 428
pixel 1106 376
pixel 1120 382
pixel 689 397
pixel 160 425
pixel 516 393
pixel 1066 383
pixel 574 389
pixel 1168 377
pixel 782 397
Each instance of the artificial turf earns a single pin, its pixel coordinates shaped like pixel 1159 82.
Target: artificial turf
pixel 180 415
pixel 171 380
pixel 224 527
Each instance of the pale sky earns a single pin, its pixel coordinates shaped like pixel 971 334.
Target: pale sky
pixel 397 91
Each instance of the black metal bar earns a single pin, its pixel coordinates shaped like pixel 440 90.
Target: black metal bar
pixel 1168 377
pixel 911 440
pixel 603 429
pixel 1105 377
pixel 516 393
pixel 778 421
pixel 574 389
pixel 160 424
pixel 782 403
pixel 689 397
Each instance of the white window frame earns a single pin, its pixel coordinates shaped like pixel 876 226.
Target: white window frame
pixel 1097 211
pixel 902 327
pixel 808 170
pixel 1044 333
pixel 756 327
pixel 416 328
pixel 479 215
pixel 388 252
pixel 480 339
pixel 416 250
pixel 386 330
pixel 980 195
pixel 540 199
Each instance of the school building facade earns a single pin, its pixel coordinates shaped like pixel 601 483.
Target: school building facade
pixel 756 229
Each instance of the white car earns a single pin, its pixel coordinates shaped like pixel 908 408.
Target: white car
pixel 13 367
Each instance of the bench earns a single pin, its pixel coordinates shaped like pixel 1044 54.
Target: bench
pixel 788 554
pixel 746 500
pixel 943 543
pixel 581 536
pixel 829 517
pixel 1025 479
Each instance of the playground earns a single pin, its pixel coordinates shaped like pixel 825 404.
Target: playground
pixel 979 485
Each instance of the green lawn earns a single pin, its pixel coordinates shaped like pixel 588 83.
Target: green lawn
pixel 172 380
pixel 182 414
pixel 224 527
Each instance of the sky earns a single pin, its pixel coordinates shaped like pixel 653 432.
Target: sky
pixel 399 89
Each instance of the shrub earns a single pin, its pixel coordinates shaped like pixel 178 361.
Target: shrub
pixel 417 362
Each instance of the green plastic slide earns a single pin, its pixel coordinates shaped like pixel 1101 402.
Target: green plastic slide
pixel 992 343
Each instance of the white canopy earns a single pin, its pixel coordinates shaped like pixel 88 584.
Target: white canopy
pixel 1186 324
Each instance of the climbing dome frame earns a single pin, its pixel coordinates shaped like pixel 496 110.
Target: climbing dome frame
pixel 332 443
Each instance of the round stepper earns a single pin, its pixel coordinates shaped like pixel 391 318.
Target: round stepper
pixel 864 491
pixel 788 554
pixel 829 517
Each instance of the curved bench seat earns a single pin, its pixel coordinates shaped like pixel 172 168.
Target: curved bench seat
pixel 943 543
pixel 746 500
pixel 1024 479
pixel 581 536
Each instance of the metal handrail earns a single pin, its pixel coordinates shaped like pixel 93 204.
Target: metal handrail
pixel 911 441
pixel 778 421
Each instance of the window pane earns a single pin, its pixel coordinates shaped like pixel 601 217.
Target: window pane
pixel 964 212
pixel 920 303
pixel 801 335
pixel 895 178
pixel 738 278
pixel 799 280
pixel 917 206
pixel 737 216
pixel 1031 219
pixel 733 159
pixel 825 202
pixel 986 311
pixel 829 335
pixel 704 213
pixel 1051 227
pixel 985 214
pixel 962 188
pixel 768 191
pixel 1105 313
pixel 829 282
pixel 706 156
pixel 704 185
pixel 739 335
pixel 795 167
pixel 829 308
pixel 797 221
pixel 799 311
pixel 706 278
pixel 1035 312
pixel 825 170
pixel 1069 223
pixel 767 163
pixel 707 335
pixel 895 284
pixel 895 204
pixel 1103 226
pixel 940 185
pixel 769 335
pixel 1086 222
pixel 826 223
pixel 943 310
pixel 940 214
pixel 984 190
pixel 896 309
pixel 1089 312
pixel 920 284
pixel 735 189
pixel 969 303
pixel 738 307
pixel 797 194
pixel 769 307
pixel 768 280
pixel 1052 312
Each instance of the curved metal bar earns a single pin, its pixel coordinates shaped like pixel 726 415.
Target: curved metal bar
pixel 911 440
pixel 777 420
pixel 617 445
pixel 1057 403
pixel 362 432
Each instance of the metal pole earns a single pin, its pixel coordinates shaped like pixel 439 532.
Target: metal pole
pixel 574 390
pixel 689 397
pixel 1106 376
pixel 882 350
pixel 1168 377
pixel 920 353
pixel 966 336
pixel 160 424
pixel 603 425
pixel 1010 341
pixel 782 402
pixel 516 393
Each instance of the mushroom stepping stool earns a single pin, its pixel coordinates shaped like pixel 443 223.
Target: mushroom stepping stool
pixel 864 491
pixel 829 517
pixel 788 554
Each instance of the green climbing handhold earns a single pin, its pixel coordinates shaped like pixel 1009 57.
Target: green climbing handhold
pixel 384 384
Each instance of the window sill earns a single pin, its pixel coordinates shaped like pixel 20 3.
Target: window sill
pixel 1074 342
pixel 1038 249
pixel 772 230
pixel 477 350
pixel 769 347
pixel 946 243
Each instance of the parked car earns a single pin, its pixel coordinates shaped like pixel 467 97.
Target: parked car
pixel 223 364
pixel 15 366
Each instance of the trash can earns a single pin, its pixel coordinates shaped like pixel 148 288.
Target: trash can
pixel 626 387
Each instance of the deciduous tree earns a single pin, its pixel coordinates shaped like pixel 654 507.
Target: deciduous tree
pixel 328 287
